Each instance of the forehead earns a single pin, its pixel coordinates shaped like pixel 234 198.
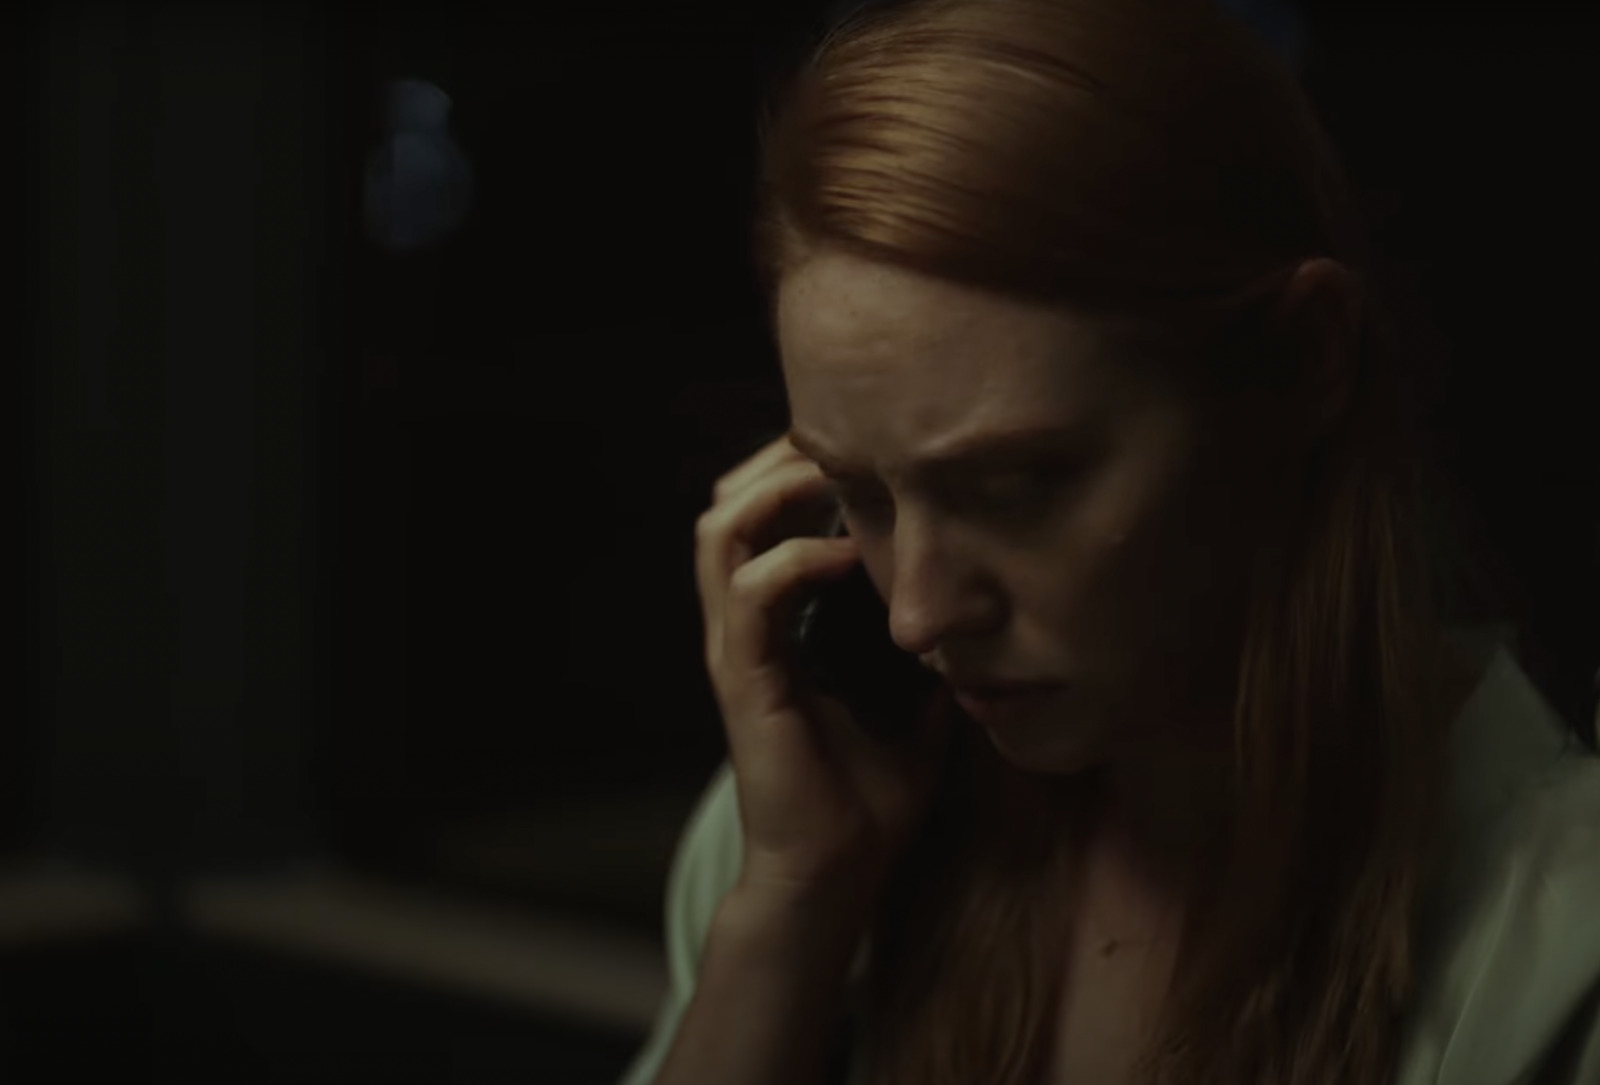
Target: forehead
pixel 889 365
pixel 838 308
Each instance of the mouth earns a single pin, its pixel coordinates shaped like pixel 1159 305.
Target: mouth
pixel 995 706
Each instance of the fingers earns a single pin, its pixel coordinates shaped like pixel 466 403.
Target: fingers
pixel 733 531
pixel 770 456
pixel 762 595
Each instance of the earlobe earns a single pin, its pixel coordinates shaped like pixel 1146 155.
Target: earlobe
pixel 1320 308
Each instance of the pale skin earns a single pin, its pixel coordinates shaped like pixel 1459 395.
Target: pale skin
pixel 1114 558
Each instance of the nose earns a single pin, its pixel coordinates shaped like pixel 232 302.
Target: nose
pixel 930 598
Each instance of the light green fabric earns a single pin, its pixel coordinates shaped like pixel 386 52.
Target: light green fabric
pixel 1510 943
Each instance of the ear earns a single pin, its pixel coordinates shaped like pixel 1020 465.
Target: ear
pixel 1319 312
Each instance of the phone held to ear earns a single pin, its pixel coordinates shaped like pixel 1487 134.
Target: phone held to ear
pixel 841 641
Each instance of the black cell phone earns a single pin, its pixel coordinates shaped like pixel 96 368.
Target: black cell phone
pixel 841 641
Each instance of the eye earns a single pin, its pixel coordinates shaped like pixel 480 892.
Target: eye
pixel 1016 492
pixel 1014 496
pixel 1021 495
pixel 1016 489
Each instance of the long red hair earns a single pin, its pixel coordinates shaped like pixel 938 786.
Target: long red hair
pixel 1150 157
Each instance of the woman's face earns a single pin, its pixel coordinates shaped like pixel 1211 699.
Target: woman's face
pixel 1104 538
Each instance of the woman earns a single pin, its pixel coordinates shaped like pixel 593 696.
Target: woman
pixel 1071 309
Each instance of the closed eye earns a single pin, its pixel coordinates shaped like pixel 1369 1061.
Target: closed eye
pixel 1020 493
pixel 1011 495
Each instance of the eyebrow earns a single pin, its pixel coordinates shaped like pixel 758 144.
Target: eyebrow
pixel 986 451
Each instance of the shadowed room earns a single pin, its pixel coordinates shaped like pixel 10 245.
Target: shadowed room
pixel 378 364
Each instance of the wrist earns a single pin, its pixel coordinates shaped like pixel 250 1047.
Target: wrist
pixel 819 925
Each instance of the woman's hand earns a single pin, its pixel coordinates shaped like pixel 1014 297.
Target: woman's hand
pixel 826 809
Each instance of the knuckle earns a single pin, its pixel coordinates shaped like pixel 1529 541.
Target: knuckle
pixel 707 524
pixel 743 582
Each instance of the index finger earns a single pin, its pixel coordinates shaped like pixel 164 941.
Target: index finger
pixel 773 453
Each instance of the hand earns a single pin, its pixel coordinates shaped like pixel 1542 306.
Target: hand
pixel 826 809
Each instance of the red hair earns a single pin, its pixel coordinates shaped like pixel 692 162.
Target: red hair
pixel 1150 157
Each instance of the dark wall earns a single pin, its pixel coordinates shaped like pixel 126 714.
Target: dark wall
pixel 1463 128
pixel 179 367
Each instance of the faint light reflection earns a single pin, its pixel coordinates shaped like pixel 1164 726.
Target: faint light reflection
pixel 418 183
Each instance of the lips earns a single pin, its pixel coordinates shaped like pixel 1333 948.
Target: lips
pixel 995 706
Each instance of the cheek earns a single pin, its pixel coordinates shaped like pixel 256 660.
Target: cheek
pixel 1131 595
pixel 1100 603
pixel 1141 584
pixel 1185 580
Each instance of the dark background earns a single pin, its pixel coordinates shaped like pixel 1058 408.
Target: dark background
pixel 327 552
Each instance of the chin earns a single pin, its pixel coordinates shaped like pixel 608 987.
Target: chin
pixel 1055 752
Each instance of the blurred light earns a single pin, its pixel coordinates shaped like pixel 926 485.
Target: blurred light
pixel 418 183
